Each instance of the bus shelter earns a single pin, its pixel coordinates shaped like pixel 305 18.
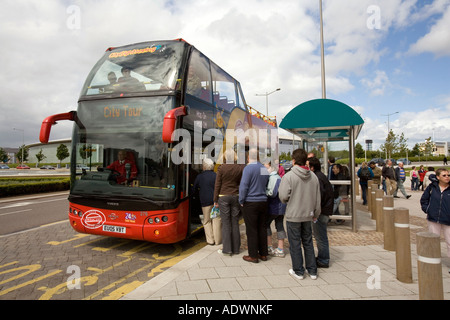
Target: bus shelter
pixel 320 122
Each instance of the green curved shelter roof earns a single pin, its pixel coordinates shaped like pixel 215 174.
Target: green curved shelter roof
pixel 323 119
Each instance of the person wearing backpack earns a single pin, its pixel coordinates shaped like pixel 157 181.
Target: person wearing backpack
pixel 365 174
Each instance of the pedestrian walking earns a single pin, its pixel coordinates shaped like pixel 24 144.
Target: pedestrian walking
pixel 365 174
pixel 376 174
pixel 253 199
pixel 390 179
pixel 401 177
pixel 226 197
pixel 204 184
pixel 300 189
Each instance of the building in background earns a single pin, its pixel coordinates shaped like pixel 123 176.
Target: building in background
pixel 288 143
pixel 441 148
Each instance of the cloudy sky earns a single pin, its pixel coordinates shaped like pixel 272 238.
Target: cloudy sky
pixel 382 56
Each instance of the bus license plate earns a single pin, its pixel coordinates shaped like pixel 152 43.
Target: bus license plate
pixel 115 229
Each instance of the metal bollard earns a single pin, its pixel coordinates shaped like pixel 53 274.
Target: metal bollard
pixel 379 209
pixel 356 185
pixel 388 221
pixel 402 245
pixel 429 266
pixel 369 197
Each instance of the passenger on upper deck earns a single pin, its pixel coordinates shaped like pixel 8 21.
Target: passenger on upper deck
pixel 112 78
pixel 128 82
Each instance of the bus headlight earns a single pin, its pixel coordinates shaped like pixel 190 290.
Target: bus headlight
pixel 158 219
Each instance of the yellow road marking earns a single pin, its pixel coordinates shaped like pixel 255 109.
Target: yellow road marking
pixel 77 236
pixel 3 292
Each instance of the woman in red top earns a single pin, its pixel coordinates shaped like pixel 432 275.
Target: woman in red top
pixel 422 173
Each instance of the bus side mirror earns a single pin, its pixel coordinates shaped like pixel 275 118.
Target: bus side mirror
pixel 49 121
pixel 170 121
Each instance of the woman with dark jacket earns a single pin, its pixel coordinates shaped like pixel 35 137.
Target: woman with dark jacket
pixel 435 202
pixel 204 185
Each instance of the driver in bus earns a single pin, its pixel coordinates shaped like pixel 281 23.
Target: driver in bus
pixel 125 167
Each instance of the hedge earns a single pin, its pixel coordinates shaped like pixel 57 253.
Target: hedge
pixel 20 186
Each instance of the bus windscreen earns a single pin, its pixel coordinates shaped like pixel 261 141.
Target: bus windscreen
pixel 136 68
pixel 120 147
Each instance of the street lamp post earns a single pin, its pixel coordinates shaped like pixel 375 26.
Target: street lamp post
pixel 389 130
pixel 267 98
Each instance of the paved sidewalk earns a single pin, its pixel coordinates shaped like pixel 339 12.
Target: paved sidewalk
pixel 356 260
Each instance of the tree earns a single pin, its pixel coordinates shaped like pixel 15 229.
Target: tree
pixel 427 147
pixel 391 144
pixel 3 155
pixel 415 150
pixel 62 152
pixel 22 151
pixel 403 145
pixel 359 151
pixel 40 156
pixel 85 151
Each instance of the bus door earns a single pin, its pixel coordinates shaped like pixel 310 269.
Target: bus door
pixel 198 97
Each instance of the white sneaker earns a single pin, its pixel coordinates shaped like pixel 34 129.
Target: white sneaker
pixel 279 253
pixel 223 253
pixel 313 276
pixel 296 276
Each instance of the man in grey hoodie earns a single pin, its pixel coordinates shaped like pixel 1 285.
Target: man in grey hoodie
pixel 300 189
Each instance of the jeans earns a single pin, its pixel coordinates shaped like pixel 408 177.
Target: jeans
pixel 300 234
pixel 279 225
pixel 321 236
pixel 414 183
pixel 364 188
pixel 229 212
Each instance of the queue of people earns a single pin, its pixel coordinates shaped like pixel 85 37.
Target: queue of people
pixel 302 200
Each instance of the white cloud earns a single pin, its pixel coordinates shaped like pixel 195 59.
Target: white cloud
pixel 377 85
pixel 264 44
pixel 416 126
pixel 437 41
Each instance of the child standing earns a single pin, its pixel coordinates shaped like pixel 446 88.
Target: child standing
pixel 276 210
pixel 414 175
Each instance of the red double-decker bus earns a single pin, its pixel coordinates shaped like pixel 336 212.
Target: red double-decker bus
pixel 125 181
